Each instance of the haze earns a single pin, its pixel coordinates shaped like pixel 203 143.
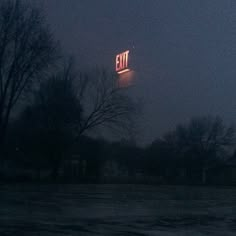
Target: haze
pixel 185 52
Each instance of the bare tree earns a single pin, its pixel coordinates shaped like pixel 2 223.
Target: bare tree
pixel 105 104
pixel 202 143
pixel 98 101
pixel 26 50
pixel 205 135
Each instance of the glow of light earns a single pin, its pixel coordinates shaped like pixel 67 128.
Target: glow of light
pixel 123 71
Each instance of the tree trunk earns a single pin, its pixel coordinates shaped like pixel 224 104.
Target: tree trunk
pixel 204 175
pixel 54 173
pixel 2 141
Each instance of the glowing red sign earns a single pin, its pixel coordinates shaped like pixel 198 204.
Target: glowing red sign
pixel 122 62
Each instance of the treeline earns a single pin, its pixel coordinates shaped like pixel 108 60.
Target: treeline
pixel 199 152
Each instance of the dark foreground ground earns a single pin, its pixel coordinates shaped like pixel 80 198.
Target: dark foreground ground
pixel 87 210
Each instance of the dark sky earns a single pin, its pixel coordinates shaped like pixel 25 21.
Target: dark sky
pixel 185 52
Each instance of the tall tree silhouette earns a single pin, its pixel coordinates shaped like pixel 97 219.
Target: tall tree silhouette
pixel 52 118
pixel 105 103
pixel 26 50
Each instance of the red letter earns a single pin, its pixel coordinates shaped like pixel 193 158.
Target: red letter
pixel 117 62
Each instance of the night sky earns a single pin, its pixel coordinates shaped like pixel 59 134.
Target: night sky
pixel 185 52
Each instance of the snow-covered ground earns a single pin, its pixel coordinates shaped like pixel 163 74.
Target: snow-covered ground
pixel 87 210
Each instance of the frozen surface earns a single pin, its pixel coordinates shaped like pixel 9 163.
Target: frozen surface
pixel 87 210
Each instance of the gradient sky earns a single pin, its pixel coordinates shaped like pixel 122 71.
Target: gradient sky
pixel 185 52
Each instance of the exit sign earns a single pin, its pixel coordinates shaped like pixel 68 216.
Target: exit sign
pixel 122 62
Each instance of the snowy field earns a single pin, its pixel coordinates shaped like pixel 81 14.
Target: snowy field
pixel 132 210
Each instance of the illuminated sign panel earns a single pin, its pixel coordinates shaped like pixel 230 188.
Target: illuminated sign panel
pixel 122 62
